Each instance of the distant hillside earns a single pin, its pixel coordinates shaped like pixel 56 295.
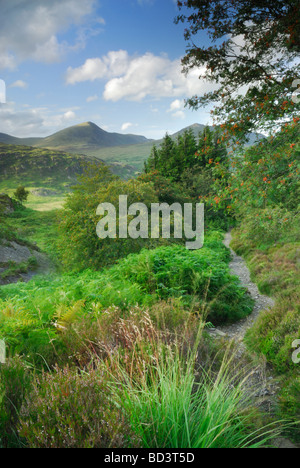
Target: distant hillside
pixel 125 153
pixel 197 128
pixel 88 136
pixel 39 167
pixel 136 155
pixel 11 140
pixel 85 136
pixel 42 167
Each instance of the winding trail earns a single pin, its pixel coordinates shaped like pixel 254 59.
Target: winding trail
pixel 263 378
pixel 239 268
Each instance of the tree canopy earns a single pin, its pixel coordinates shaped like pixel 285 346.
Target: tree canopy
pixel 187 154
pixel 21 194
pixel 253 60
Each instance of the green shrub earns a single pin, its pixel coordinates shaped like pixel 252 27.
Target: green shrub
pixel 79 246
pixel 289 404
pixel 191 275
pixel 266 227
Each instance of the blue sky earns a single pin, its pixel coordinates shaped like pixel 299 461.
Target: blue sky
pixel 113 62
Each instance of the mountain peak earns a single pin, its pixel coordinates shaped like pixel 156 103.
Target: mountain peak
pixel 86 136
pixel 87 124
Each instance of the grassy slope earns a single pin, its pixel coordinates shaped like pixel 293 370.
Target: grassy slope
pixel 200 280
pixel 51 169
pixel 39 170
pixel 36 227
pixel 126 153
pixel 133 155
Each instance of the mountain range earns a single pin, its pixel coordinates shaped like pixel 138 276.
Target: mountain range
pixel 119 150
pixel 86 135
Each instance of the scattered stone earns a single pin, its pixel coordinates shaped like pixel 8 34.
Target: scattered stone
pixel 283 443
pixel 12 253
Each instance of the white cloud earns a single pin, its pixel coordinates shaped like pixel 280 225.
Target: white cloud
pixel 33 121
pixel 134 78
pixel 69 115
pixel 92 98
pixel 19 84
pixel 176 105
pixel 29 28
pixel 19 123
pixel 2 92
pixel 92 70
pixel 176 108
pixel 126 126
pixel 178 115
pixel 7 60
pixel 113 64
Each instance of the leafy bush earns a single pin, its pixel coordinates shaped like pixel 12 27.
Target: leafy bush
pixel 79 245
pixel 191 275
pixel 21 194
pixel 265 175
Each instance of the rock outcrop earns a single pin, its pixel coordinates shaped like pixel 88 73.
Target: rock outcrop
pixel 21 262
pixel 6 204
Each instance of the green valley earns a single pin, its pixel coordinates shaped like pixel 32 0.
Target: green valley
pixel 149 289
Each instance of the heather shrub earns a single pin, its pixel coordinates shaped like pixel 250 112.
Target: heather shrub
pixel 15 383
pixel 289 404
pixel 68 409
